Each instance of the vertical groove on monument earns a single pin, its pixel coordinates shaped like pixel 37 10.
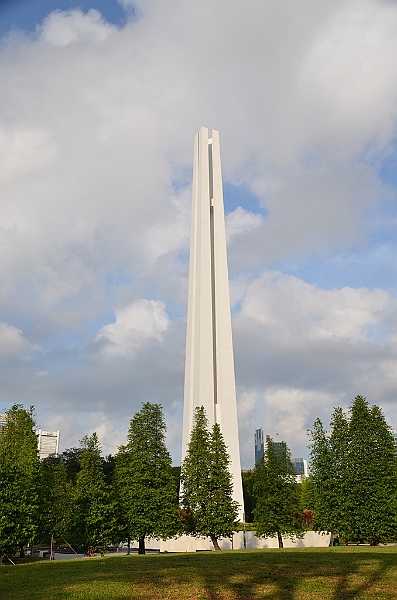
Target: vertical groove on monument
pixel 209 366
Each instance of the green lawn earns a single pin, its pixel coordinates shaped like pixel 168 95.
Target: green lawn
pixel 321 573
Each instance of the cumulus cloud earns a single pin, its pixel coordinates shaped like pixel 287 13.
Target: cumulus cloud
pixel 67 27
pixel 22 150
pixel 289 308
pixel 145 319
pixel 303 350
pixel 13 342
pixel 240 221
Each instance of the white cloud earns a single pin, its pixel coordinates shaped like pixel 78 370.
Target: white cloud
pixel 246 407
pixel 13 342
pixel 241 221
pixel 143 320
pixel 302 350
pixel 290 309
pixel 22 150
pixel 289 411
pixel 62 28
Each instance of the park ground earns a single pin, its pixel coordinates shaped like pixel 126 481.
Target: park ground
pixel 343 573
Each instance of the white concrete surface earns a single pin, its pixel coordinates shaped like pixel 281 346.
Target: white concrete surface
pixel 209 366
pixel 185 543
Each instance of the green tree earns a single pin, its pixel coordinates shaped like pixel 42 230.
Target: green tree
pixel 249 496
pixel 56 495
pixel 145 481
pixel 72 461
pixel 207 487
pixel 354 472
pixel 306 501
pixel 19 466
pixel 370 476
pixel 96 510
pixel 328 469
pixel 276 492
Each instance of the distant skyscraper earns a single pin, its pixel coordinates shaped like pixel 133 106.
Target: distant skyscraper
pixel 48 443
pixel 276 441
pixel 3 420
pixel 262 442
pixel 300 468
pixel 209 366
pixel 259 444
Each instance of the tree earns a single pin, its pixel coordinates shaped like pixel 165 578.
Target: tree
pixel 249 496
pixel 56 495
pixel 96 521
pixel 328 467
pixel 207 495
pixel 19 465
pixel 371 477
pixel 306 501
pixel 276 491
pixel 144 479
pixel 72 461
pixel 354 472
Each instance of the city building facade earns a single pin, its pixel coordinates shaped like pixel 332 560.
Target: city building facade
pixel 3 420
pixel 259 444
pixel 262 441
pixel 47 442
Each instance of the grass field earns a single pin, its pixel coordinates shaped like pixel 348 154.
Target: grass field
pixel 322 573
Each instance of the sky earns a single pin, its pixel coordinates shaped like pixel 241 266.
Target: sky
pixel 100 101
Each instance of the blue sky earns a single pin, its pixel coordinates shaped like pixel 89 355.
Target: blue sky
pixel 98 113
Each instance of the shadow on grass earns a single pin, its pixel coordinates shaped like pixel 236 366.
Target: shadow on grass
pixel 334 574
pixel 326 574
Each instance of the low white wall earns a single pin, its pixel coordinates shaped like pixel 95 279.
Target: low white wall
pixel 187 543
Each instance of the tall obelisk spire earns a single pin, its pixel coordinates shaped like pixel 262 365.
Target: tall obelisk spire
pixel 209 367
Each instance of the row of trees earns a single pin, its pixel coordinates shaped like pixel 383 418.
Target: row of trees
pixel 86 500
pixel 353 485
pixel 352 489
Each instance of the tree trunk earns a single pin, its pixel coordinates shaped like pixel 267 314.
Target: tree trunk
pixel 214 540
pixel 331 539
pixel 129 545
pixel 280 540
pixel 21 551
pixel 141 545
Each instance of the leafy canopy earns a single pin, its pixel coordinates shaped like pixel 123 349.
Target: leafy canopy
pixel 207 496
pixel 19 466
pixel 144 478
pixel 277 494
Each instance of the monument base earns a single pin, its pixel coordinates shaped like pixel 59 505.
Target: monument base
pixel 187 543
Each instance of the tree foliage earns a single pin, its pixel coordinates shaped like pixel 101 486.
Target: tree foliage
pixel 249 495
pixel 144 479
pixel 96 522
pixel 277 497
pixel 306 501
pixel 207 486
pixel 71 458
pixel 354 472
pixel 19 465
pixel 56 497
pixel 328 467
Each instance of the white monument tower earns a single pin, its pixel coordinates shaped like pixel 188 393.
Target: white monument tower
pixel 209 367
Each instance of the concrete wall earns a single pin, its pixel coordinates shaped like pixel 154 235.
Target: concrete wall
pixel 186 543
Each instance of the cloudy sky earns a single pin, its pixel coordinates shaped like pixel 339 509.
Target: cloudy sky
pixel 99 104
